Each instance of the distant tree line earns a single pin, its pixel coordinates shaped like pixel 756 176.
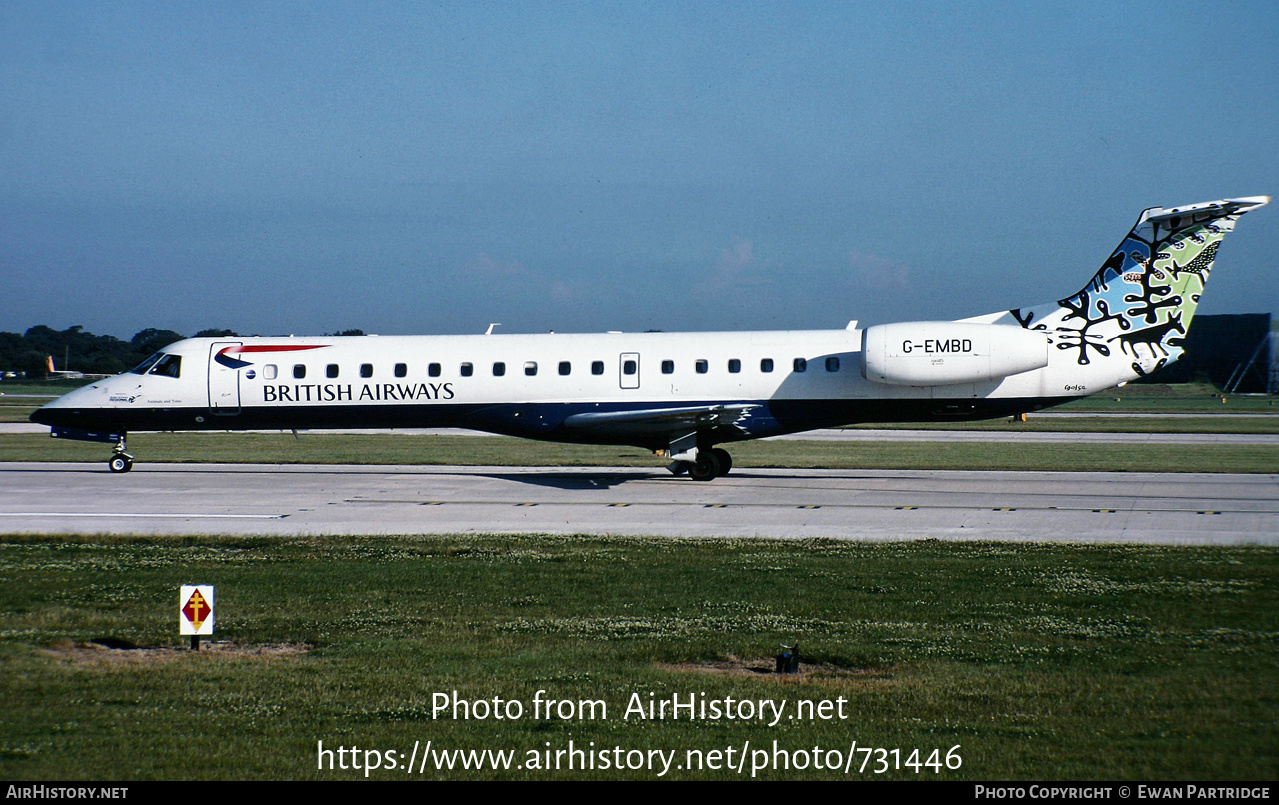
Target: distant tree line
pixel 76 350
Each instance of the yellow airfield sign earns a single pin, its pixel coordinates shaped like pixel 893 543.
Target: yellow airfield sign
pixel 195 613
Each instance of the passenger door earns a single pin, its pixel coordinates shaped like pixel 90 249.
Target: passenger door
pixel 224 379
pixel 630 369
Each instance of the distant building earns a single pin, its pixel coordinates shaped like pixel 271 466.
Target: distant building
pixel 1237 352
pixel 1272 381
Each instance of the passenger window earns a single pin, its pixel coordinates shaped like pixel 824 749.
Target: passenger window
pixel 530 368
pixel 701 366
pixel 832 364
pixel 800 365
pixel 169 366
pixel 299 371
pixel 565 367
pixel 467 370
pixel 597 367
pixel 766 364
pixel 331 370
pixel 499 369
pixel 401 369
pixel 668 367
pixel 268 372
pixel 734 365
pixel 433 370
pixel 629 367
pixel 366 370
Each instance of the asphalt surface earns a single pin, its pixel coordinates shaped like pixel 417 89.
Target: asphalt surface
pixel 1166 508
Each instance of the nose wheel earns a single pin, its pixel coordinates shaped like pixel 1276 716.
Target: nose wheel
pixel 120 461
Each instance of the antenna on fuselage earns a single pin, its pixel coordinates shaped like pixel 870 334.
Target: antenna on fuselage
pixel 489 331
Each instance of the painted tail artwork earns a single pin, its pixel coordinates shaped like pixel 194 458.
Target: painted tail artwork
pixel 1132 317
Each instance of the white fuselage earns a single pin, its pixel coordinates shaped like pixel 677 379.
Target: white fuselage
pixel 472 381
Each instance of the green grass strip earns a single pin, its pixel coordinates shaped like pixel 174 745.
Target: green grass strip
pixel 393 448
pixel 1038 661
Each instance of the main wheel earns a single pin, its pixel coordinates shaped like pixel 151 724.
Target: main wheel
pixel 724 459
pixel 120 463
pixel 706 468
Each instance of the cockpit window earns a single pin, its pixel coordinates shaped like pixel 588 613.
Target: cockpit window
pixel 169 366
pixel 142 368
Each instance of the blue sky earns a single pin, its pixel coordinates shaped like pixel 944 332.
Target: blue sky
pixel 433 167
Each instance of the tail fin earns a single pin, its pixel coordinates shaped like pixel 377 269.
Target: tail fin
pixel 1141 301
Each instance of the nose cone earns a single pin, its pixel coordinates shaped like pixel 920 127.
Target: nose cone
pixel 56 415
pixel 79 409
pixel 43 416
pixel 60 417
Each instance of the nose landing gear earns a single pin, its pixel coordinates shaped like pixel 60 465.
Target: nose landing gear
pixel 120 461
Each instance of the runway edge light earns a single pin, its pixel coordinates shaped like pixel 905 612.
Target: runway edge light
pixel 195 612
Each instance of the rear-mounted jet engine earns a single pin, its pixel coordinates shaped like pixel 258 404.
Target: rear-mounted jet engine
pixel 940 353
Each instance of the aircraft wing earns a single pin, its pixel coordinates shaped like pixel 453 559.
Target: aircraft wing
pixel 687 418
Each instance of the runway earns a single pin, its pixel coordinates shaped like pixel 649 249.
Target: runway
pixel 243 499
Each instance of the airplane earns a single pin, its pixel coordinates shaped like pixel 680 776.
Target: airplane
pixel 67 374
pixel 684 393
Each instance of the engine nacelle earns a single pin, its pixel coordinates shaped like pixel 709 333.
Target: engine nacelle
pixel 940 353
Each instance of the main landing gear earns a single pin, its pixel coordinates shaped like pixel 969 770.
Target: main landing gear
pixel 120 461
pixel 709 465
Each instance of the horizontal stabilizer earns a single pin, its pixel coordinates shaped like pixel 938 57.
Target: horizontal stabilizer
pixel 1214 209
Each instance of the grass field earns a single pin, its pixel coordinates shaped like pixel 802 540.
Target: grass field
pixel 1184 398
pixel 1104 423
pixel 399 448
pixel 1036 661
pixel 1187 398
pixel 393 448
